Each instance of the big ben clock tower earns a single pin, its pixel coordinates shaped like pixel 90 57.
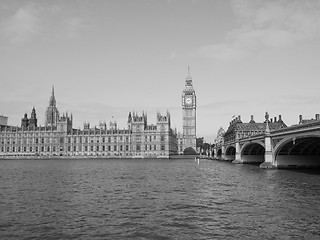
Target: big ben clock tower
pixel 189 114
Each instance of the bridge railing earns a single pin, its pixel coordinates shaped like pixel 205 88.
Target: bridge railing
pixel 272 132
pixel 296 127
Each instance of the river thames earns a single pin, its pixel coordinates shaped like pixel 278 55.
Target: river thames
pixel 156 199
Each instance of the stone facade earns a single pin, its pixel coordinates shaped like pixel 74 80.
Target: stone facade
pixel 189 106
pixel 139 140
pixel 52 113
pixel 59 138
pixel 3 120
pixel 274 146
pixel 219 139
pixel 303 121
pixel 237 129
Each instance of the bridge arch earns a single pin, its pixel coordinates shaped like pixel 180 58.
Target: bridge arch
pixel 252 152
pixel 213 151
pixel 230 153
pixel 298 151
pixel 219 153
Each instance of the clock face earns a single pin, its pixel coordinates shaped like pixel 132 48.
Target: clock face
pixel 188 100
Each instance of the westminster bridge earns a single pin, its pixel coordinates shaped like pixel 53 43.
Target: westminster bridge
pixel 297 146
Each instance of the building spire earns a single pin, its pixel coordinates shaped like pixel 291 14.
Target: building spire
pixel 188 74
pixel 33 113
pixel 189 80
pixel 52 98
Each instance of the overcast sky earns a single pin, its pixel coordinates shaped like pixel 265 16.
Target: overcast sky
pixel 106 58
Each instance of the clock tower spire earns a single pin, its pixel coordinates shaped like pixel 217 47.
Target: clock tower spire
pixel 189 113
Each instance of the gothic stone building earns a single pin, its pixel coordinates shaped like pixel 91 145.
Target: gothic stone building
pixel 139 140
pixel 187 139
pixel 59 138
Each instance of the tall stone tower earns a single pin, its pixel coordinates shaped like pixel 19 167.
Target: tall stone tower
pixel 52 113
pixel 33 119
pixel 189 114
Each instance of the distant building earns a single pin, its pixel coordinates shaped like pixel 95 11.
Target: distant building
pixel 3 120
pixel 303 121
pixel 59 138
pixel 189 106
pixel 219 138
pixel 180 142
pixel 139 140
pixel 31 123
pixel 52 113
pixel 238 129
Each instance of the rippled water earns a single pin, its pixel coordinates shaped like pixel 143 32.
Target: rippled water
pixel 155 199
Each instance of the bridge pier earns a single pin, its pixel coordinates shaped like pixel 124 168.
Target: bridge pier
pixel 268 161
pixel 268 155
pixel 223 152
pixel 237 158
pixel 215 153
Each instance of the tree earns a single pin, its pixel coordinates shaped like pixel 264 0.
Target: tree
pixel 189 151
pixel 199 142
pixel 206 146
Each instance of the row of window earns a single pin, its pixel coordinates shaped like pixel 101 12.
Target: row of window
pixel 232 136
pixel 80 148
pixel 252 133
pixel 31 133
pixel 80 139
pixel 69 139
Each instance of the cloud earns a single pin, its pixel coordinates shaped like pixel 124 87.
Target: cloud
pixel 264 25
pixel 177 1
pixel 173 55
pixel 22 26
pixel 223 51
pixel 74 25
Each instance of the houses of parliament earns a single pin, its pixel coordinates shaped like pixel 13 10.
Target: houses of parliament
pixel 58 138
